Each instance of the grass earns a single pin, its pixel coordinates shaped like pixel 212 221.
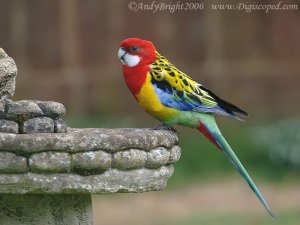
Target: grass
pixel 201 159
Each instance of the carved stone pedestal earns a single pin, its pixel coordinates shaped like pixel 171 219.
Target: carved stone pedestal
pixel 39 209
pixel 47 178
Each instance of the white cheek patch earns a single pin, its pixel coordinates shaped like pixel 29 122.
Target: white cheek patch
pixel 131 60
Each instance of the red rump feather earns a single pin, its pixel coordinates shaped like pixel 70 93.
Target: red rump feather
pixel 204 130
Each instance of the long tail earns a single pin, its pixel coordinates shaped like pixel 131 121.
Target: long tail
pixel 212 132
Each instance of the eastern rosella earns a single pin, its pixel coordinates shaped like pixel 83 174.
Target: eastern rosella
pixel 173 98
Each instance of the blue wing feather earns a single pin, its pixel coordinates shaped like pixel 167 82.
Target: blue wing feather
pixel 170 99
pixel 186 101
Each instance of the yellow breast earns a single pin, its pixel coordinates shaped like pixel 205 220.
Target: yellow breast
pixel 150 102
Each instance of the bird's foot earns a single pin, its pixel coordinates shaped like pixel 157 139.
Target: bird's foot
pixel 163 126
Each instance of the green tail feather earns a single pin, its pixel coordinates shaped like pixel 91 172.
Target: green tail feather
pixel 240 168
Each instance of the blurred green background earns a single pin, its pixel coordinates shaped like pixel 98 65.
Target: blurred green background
pixel 67 51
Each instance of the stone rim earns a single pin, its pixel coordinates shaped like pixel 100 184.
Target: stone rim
pixel 73 162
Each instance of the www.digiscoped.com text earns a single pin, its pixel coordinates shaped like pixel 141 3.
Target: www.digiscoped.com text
pixel 247 7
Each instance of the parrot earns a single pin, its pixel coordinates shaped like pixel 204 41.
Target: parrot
pixel 174 98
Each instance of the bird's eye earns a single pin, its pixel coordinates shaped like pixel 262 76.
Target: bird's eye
pixel 134 48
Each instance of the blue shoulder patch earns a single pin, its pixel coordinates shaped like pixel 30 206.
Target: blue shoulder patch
pixel 170 98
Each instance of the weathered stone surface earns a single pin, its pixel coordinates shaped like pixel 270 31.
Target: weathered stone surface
pixel 38 125
pixel 11 163
pixel 8 73
pixel 50 162
pixel 111 181
pixel 175 153
pixel 91 161
pixel 8 126
pixel 130 159
pixel 45 210
pixel 60 162
pixel 60 126
pixel 2 108
pixel 78 140
pixel 157 157
pixel 3 54
pixel 51 109
pixel 34 116
pixel 65 154
pixel 22 110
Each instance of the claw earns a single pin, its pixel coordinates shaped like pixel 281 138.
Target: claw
pixel 163 126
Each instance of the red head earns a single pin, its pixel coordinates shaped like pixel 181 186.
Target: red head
pixel 136 52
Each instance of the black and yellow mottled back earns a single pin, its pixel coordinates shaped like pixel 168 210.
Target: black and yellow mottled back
pixel 178 90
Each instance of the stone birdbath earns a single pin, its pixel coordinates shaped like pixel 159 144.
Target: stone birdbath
pixel 48 170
